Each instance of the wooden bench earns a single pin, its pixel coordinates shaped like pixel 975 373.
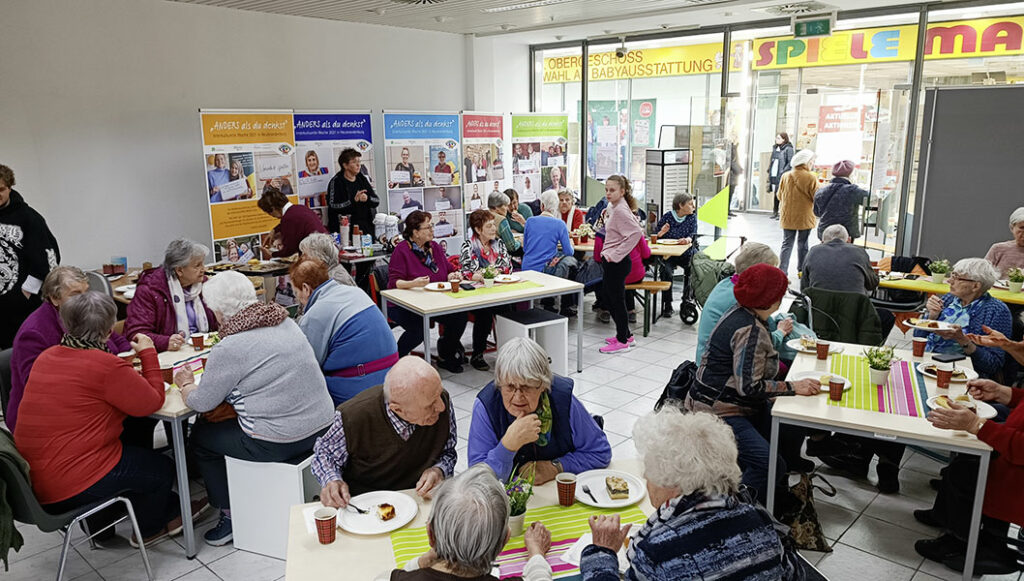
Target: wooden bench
pixel 650 290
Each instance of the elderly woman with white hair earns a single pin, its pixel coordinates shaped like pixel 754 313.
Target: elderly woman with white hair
pixel 467 529
pixel 266 370
pixel 498 204
pixel 320 246
pixel 1009 254
pixel 168 304
pixel 528 417
pixel 704 527
pixel 969 307
pixel 548 249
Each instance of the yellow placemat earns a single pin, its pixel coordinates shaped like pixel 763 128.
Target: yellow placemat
pixel 496 289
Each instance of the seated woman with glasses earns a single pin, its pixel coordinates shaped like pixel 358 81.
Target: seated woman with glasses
pixel 969 307
pixel 528 418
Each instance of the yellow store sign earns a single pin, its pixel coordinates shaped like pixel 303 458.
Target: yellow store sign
pixel 945 40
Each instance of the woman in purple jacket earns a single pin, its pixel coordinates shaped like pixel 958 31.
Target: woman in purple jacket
pixel 168 304
pixel 417 262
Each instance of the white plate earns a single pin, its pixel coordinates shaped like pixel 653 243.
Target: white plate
pixel 668 241
pixel 438 287
pixel 595 479
pixel 971 374
pixel 507 278
pixel 985 411
pixel 368 524
pixel 943 326
pixel 1002 284
pixel 817 375
pixel 795 345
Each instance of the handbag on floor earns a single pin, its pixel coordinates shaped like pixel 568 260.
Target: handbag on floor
pixel 679 384
pixel 801 516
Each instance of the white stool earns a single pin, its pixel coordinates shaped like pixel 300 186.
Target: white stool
pixel 549 330
pixel 262 494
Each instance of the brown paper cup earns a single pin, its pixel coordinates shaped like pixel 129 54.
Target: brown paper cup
pixel 197 341
pixel 566 482
pixel 822 349
pixel 326 524
pixel 835 390
pixel 919 345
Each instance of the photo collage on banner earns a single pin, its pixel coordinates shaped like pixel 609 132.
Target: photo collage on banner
pixel 539 154
pixel 483 164
pixel 424 163
pixel 320 137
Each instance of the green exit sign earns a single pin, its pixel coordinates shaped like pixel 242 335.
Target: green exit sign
pixel 813 26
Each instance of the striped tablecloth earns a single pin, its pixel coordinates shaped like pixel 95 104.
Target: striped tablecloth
pixel 904 394
pixel 567 525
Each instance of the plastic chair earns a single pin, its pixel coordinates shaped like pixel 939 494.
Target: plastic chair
pixel 98 282
pixel 5 379
pixel 27 510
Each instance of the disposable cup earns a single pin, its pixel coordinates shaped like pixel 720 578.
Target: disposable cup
pixel 919 345
pixel 835 389
pixel 566 482
pixel 822 349
pixel 326 524
pixel 455 286
pixel 943 374
pixel 198 339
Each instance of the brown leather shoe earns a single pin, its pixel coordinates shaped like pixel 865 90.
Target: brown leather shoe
pixel 199 506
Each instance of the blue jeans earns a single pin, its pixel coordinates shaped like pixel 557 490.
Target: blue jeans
pixel 752 442
pixel 142 476
pixel 788 237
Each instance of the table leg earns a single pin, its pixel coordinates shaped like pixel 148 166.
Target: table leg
pixel 773 454
pixel 426 338
pixel 979 497
pixel 579 333
pixel 178 435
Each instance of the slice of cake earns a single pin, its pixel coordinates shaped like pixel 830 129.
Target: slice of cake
pixel 385 512
pixel 618 488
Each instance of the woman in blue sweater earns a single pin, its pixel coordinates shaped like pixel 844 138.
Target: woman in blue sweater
pixel 679 224
pixel 541 252
pixel 350 337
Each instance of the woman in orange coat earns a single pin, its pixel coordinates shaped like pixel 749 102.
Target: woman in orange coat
pixel 796 209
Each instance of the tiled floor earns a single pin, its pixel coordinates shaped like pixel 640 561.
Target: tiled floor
pixel 872 535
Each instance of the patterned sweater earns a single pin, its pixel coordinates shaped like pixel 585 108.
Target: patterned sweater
pixel 984 310
pixel 700 537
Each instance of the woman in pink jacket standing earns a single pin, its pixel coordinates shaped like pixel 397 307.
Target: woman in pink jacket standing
pixel 622 234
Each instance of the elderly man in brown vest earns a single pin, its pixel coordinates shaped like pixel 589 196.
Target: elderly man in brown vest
pixel 390 437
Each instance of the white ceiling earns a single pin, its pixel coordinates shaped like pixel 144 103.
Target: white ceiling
pixel 556 20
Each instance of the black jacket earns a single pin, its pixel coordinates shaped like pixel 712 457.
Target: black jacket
pixel 839 202
pixel 340 202
pixel 27 247
pixel 784 154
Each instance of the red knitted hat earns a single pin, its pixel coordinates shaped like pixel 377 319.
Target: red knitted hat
pixel 759 286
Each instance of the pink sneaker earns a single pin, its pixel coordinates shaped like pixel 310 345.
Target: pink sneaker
pixel 615 346
pixel 612 339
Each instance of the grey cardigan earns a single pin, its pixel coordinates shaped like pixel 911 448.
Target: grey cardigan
pixel 271 377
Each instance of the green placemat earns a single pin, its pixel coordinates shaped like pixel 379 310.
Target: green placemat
pixel 903 394
pixel 564 523
pixel 497 288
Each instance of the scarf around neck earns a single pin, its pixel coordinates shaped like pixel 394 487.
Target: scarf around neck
pixel 180 296
pixel 78 343
pixel 254 316
pixel 425 256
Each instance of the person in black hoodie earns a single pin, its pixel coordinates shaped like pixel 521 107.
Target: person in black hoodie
pixel 350 194
pixel 28 251
pixel 782 155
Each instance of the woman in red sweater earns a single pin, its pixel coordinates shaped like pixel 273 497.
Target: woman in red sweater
pixel 297 222
pixel 955 499
pixel 69 423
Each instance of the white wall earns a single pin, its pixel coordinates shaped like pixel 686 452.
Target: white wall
pixel 499 74
pixel 99 100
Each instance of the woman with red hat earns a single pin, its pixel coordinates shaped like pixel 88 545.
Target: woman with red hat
pixel 736 378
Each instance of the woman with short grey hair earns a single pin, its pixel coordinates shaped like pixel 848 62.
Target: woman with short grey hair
pixel 690 464
pixel 497 203
pixel 265 370
pixel 1009 254
pixel 529 419
pixel 320 246
pixel 168 303
pixel 467 529
pixel 969 308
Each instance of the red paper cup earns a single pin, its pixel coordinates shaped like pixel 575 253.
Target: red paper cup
pixel 942 377
pixel 822 347
pixel 197 341
pixel 455 286
pixel 566 482
pixel 835 390
pixel 654 238
pixel 326 524
pixel 919 345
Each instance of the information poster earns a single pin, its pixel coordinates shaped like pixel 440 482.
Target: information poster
pixel 424 163
pixel 244 152
pixel 320 137
pixel 539 152
pixel 483 143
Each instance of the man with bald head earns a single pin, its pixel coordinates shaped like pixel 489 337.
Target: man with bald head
pixel 390 437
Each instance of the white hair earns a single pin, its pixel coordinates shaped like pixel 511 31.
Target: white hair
pixel 549 201
pixel 321 247
pixel 469 521
pixel 835 232
pixel 755 253
pixel 691 452
pixel 89 316
pixel 228 292
pixel 1016 216
pixel 59 279
pixel 522 360
pixel 181 252
pixel 978 270
pixel 497 200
